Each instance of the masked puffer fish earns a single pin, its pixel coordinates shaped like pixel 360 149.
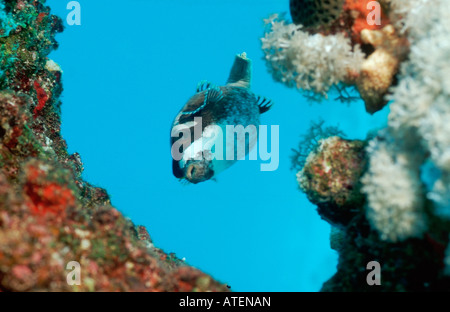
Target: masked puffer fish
pixel 218 106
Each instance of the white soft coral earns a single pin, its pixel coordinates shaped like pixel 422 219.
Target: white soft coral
pixel 394 191
pixel 309 62
pixel 421 98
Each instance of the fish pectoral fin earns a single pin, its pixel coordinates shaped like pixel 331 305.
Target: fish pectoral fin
pixel 264 104
pixel 203 85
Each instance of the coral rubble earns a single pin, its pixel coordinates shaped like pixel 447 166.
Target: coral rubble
pixel 50 216
pixel 380 199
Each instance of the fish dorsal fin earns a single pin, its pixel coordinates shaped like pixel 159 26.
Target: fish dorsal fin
pixel 203 85
pixel 212 95
pixel 264 104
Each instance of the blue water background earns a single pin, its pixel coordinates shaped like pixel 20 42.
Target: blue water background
pixel 128 69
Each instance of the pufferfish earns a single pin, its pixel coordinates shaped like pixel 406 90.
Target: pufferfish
pixel 233 104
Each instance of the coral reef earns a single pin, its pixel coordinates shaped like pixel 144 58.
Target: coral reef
pixel 399 214
pixel 50 216
pixel 333 46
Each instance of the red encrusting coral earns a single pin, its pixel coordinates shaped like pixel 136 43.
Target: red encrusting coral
pixel 359 10
pixel 45 194
pixel 355 16
pixel 41 17
pixel 52 198
pixel 42 98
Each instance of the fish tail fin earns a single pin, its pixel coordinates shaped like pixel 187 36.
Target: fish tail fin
pixel 241 72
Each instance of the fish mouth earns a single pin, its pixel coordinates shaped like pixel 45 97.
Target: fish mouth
pixel 198 172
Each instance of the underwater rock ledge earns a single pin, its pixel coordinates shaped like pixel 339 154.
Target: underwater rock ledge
pixel 50 216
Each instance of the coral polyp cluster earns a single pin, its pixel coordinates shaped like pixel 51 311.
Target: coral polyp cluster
pixel 337 43
pixel 395 193
pixel 50 216
pixel 398 178
pixel 314 63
